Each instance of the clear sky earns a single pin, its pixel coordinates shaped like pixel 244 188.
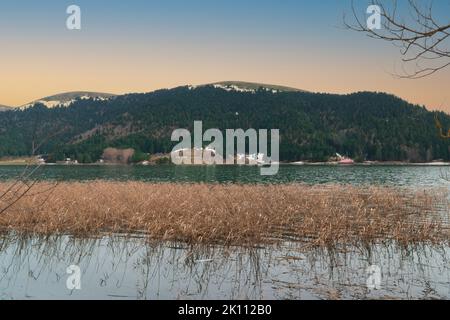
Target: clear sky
pixel 140 46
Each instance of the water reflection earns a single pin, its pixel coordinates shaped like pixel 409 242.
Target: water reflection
pixel 118 267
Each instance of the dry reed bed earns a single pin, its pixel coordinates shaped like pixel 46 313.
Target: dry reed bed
pixel 230 214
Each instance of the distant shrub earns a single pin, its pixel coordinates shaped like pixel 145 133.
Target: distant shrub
pixel 139 156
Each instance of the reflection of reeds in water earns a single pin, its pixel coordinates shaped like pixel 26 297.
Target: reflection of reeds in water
pixel 133 267
pixel 232 214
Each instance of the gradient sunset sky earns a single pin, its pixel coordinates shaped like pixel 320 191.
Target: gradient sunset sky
pixel 140 46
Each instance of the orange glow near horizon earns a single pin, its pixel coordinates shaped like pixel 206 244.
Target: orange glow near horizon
pixel 26 82
pixel 150 46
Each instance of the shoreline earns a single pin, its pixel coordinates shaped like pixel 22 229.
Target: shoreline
pixel 305 164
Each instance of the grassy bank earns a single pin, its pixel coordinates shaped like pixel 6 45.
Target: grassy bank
pixel 17 161
pixel 229 214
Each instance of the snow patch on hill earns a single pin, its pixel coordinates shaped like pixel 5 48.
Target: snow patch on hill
pixel 52 103
pixel 249 87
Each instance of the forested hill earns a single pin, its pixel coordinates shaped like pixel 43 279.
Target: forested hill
pixel 365 126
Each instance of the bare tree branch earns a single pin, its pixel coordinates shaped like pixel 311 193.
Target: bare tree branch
pixel 423 41
pixel 25 182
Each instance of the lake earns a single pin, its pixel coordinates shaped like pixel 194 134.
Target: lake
pixel 130 267
pixel 417 176
pixel 114 267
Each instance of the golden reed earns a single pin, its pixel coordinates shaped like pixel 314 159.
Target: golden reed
pixel 231 214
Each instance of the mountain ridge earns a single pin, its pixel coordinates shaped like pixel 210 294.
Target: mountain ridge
pixel 4 108
pixel 244 86
pixel 67 98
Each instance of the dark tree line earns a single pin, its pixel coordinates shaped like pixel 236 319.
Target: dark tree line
pixel 365 126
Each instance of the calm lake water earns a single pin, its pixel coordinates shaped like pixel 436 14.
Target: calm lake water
pixel 422 176
pixel 118 267
pixel 131 268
